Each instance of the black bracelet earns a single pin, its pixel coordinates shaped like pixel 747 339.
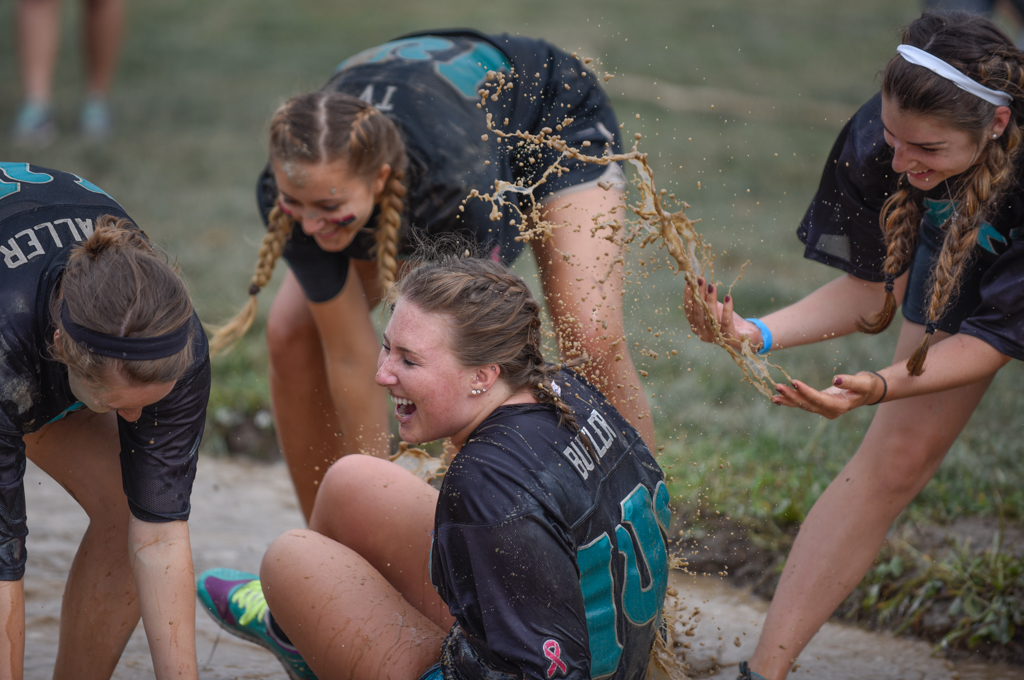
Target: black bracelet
pixel 885 387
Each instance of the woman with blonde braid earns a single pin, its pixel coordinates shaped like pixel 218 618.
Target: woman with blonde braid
pixel 394 144
pixel 922 197
pixel 542 556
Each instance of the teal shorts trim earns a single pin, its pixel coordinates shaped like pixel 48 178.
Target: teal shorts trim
pixel 77 406
pixel 433 673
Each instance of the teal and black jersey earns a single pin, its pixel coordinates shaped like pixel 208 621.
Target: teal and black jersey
pixel 429 85
pixel 551 552
pixel 842 229
pixel 43 214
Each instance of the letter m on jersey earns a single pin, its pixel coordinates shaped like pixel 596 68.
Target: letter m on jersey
pixel 640 542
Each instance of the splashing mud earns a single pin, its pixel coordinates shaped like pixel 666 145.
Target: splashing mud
pixel 647 221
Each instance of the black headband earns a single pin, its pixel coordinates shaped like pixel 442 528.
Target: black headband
pixel 129 349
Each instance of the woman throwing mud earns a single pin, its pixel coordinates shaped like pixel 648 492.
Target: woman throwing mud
pixel 922 199
pixel 387 152
pixel 105 377
pixel 544 554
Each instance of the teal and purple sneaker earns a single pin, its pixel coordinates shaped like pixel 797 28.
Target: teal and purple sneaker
pixel 235 601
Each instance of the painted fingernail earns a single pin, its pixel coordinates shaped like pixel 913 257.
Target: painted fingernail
pixel 838 381
pixel 711 289
pixel 700 282
pixel 728 298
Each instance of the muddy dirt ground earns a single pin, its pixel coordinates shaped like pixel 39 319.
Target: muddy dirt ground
pixel 239 507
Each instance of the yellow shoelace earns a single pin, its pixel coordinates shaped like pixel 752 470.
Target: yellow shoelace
pixel 249 598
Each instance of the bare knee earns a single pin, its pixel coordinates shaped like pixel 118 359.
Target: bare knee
pixel 291 339
pixel 904 467
pixel 279 561
pixel 349 483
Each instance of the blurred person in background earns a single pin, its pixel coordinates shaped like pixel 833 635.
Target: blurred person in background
pixel 38 35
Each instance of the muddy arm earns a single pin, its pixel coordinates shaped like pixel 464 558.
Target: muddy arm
pixel 161 559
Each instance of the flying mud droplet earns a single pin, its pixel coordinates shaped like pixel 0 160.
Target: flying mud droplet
pixel 647 221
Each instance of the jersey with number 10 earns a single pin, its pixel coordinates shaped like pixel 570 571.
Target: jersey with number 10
pixel 551 554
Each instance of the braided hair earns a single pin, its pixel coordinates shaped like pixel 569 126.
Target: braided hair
pixel 973 45
pixel 322 127
pixel 494 319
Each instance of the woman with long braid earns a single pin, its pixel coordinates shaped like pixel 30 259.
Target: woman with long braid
pixel 542 556
pixel 388 152
pixel 922 197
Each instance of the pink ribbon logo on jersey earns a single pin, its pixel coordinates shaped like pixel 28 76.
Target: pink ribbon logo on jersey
pixel 553 651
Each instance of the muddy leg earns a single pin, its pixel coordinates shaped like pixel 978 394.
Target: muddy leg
pixel 100 607
pixel 837 543
pixel 586 301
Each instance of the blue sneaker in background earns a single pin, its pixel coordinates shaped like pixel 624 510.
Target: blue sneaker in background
pixel 34 127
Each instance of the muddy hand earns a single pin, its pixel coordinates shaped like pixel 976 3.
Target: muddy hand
pixel 846 393
pixel 734 327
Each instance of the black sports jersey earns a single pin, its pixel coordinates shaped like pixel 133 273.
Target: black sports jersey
pixel 842 229
pixel 428 85
pixel 552 558
pixel 42 214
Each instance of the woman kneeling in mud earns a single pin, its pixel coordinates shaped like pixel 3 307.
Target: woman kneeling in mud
pixel 514 568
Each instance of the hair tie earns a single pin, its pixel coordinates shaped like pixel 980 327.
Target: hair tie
pixel 254 289
pixel 931 327
pixel 918 57
pixel 885 387
pixel 128 349
pixel 889 285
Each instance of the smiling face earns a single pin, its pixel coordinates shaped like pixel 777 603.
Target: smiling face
pixel 117 394
pixel 330 203
pixel 429 387
pixel 929 150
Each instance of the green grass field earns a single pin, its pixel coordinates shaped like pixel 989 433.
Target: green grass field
pixel 199 81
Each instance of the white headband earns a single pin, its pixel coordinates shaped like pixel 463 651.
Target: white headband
pixel 919 57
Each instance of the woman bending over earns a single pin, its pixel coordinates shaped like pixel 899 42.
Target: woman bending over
pixel 394 144
pixel 104 377
pixel 922 199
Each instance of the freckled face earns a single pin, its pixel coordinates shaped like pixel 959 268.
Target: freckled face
pixel 330 203
pixel 117 394
pixel 928 150
pixel 429 387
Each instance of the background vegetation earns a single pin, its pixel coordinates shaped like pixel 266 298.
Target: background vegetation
pixel 199 80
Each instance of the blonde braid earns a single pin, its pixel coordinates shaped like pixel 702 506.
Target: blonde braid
pixel 279 228
pixel 389 224
pixel 900 218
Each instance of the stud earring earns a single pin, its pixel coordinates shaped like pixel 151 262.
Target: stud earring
pixel 474 392
pixel 994 135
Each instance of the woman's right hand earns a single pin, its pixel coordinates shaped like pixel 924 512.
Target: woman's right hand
pixel 734 327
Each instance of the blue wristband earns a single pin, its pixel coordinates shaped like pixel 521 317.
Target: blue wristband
pixel 766 336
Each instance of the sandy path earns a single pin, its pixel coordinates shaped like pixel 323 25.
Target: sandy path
pixel 238 508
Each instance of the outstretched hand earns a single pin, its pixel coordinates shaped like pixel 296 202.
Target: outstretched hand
pixel 846 393
pixel 734 327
